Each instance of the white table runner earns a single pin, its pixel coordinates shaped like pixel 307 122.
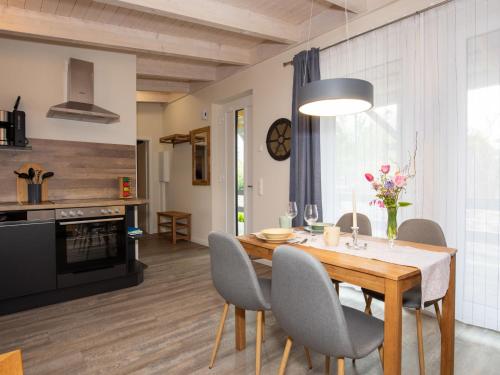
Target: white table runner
pixel 434 266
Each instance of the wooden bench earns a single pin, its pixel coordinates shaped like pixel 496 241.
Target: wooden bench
pixel 175 220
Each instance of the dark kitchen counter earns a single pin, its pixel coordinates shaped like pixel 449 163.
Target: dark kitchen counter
pixel 71 203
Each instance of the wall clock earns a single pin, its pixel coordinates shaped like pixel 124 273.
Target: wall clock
pixel 279 139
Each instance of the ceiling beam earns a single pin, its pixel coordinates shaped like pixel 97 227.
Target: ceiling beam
pixel 354 6
pixel 174 70
pixel 162 86
pixel 21 22
pixel 156 97
pixel 218 15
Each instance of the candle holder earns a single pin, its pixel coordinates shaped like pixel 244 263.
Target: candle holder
pixel 355 244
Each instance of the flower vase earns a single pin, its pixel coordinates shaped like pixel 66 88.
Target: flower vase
pixel 392 224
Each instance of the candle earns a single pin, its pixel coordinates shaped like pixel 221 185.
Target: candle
pixel 354 213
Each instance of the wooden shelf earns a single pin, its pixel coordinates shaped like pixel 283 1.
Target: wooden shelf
pixel 176 139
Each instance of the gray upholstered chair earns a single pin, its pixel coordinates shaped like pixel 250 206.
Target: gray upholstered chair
pixel 420 231
pixel 236 281
pixel 345 224
pixel 306 306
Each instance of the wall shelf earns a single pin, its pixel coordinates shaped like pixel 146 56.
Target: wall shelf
pixel 176 139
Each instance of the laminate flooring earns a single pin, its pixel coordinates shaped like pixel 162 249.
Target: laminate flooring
pixel 167 325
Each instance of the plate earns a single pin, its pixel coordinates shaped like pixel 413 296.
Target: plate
pixel 276 233
pixel 283 240
pixel 309 229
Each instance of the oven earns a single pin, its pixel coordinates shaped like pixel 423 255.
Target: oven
pixel 91 244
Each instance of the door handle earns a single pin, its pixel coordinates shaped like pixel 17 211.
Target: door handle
pixel 249 186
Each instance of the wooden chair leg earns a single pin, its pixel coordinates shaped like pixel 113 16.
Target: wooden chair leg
pixel 438 314
pixel 340 366
pixel 286 354
pixel 263 326
pixel 219 334
pixel 308 358
pixel 327 365
pixel 421 360
pixel 258 344
pixel 368 301
pixel 381 355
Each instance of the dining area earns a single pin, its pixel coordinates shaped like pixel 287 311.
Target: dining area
pixel 415 271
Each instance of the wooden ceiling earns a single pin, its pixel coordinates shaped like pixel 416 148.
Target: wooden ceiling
pixel 179 43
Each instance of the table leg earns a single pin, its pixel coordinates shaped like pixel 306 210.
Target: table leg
pixel 393 328
pixel 240 328
pixel 174 230
pixel 448 325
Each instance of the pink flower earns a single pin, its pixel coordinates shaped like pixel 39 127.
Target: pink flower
pixel 369 177
pixel 375 185
pixel 381 204
pixel 400 180
pixel 385 168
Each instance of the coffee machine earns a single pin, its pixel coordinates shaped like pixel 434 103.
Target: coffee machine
pixel 13 127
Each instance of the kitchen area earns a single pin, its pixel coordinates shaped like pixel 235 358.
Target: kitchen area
pixel 67 174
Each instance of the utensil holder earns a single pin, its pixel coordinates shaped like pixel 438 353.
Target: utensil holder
pixel 34 193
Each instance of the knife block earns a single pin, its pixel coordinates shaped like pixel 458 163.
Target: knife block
pixel 22 184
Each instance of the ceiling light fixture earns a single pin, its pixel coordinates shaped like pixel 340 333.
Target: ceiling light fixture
pixel 336 96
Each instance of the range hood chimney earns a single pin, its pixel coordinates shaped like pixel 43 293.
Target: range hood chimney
pixel 80 105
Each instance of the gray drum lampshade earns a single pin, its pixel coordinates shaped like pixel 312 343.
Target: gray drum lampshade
pixel 335 97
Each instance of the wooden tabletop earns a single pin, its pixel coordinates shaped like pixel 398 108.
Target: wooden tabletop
pixel 370 266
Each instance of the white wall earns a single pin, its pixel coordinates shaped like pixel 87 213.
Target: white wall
pixel 150 127
pixel 37 72
pixel 271 86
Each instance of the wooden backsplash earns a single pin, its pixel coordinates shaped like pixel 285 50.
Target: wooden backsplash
pixel 82 170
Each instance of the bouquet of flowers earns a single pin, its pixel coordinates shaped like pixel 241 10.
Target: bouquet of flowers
pixel 388 190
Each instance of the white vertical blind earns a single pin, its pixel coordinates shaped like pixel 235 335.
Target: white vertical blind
pixel 436 74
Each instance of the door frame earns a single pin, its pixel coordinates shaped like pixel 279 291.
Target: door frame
pixel 148 141
pixel 229 113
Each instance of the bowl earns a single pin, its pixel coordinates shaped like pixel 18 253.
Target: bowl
pixel 320 226
pixel 277 233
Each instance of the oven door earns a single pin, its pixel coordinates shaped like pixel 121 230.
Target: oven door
pixel 91 245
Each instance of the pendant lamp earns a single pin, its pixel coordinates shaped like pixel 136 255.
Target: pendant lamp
pixel 336 96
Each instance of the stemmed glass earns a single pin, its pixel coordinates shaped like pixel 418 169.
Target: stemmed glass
pixel 311 215
pixel 291 211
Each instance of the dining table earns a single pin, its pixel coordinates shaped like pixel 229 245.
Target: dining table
pixel 388 278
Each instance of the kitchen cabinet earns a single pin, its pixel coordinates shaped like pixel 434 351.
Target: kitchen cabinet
pixel 27 257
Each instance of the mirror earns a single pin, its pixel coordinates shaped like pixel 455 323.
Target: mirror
pixel 200 143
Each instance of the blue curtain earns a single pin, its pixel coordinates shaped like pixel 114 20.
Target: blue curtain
pixel 305 157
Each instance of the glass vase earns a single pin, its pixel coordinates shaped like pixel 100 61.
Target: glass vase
pixel 392 224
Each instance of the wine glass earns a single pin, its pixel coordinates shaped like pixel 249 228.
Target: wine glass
pixel 291 211
pixel 311 215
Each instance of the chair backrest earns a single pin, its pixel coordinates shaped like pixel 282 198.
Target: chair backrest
pixel 306 305
pixel 422 231
pixel 233 274
pixel 345 224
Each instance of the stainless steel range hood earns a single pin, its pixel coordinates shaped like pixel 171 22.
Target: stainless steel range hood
pixel 80 105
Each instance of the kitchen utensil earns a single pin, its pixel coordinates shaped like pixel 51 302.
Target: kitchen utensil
pixel 31 174
pixel 22 175
pixel 47 175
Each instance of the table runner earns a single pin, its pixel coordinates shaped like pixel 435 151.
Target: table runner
pixel 434 266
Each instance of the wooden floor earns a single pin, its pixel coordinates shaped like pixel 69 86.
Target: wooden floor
pixel 167 326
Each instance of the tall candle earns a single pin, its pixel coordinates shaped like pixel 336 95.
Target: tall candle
pixel 354 213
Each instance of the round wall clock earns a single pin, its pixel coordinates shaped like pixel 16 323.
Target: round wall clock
pixel 279 139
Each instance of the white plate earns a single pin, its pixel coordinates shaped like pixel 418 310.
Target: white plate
pixel 260 236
